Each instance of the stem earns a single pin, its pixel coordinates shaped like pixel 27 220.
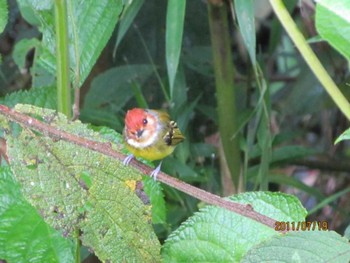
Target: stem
pixel 76 83
pixel 78 246
pixel 63 85
pixel 310 57
pixel 264 131
pixel 107 149
pixel 165 92
pixel 225 93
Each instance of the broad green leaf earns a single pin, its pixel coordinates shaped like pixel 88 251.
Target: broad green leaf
pixel 246 22
pixel 155 192
pixel 139 97
pixel 111 90
pixel 179 95
pixel 285 180
pixel 131 10
pixel 174 166
pixel 114 86
pixel 291 152
pixel 208 111
pixel 218 235
pixel 24 236
pixel 152 188
pixel 42 4
pixel 329 200
pixel 199 59
pixel 21 50
pixel 300 101
pixel 173 39
pixel 203 150
pixel 41 97
pixel 3 14
pixel 333 23
pixel 101 117
pixel 183 114
pixel 302 246
pixel 80 190
pixel 90 25
pixel 344 136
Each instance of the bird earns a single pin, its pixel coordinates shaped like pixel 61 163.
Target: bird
pixel 151 135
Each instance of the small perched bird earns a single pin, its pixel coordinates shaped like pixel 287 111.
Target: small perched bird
pixel 150 134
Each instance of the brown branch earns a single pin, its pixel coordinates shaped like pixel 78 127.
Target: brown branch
pixel 106 149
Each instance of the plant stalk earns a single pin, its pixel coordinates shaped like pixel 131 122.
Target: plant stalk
pixel 310 57
pixel 225 92
pixel 62 54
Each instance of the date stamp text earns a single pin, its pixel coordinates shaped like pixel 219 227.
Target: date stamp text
pixel 301 226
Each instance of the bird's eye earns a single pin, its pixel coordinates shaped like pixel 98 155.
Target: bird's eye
pixel 144 121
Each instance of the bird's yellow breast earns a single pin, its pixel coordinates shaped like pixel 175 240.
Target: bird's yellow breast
pixel 151 153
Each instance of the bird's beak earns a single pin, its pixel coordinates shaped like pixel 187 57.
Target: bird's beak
pixel 139 133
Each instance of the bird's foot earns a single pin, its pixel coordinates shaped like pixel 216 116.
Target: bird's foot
pixel 156 171
pixel 128 159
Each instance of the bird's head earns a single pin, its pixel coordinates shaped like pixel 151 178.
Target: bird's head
pixel 140 126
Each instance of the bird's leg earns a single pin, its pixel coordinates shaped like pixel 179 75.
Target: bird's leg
pixel 128 159
pixel 156 171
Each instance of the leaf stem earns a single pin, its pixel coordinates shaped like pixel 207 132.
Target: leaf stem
pixel 310 57
pixel 62 68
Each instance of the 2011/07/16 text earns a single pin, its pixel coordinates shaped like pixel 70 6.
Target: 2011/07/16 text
pixel 301 226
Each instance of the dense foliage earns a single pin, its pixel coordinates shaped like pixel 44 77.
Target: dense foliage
pixel 260 114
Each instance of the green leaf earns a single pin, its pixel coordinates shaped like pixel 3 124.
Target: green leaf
pixel 202 150
pixel 152 188
pixel 80 190
pixel 284 180
pixel 90 23
pixel 114 86
pixel 344 136
pixel 24 236
pixel 302 246
pixel 291 152
pixel 111 90
pixel 199 59
pixel 131 10
pixel 301 101
pixel 21 50
pixel 329 200
pixel 333 23
pixel 101 117
pixel 155 192
pixel 42 4
pixel 173 39
pixel 246 22
pixel 218 235
pixel 3 14
pixel 41 97
pixel 173 165
pixel 179 95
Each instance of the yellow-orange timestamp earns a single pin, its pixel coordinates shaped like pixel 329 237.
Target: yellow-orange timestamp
pixel 301 226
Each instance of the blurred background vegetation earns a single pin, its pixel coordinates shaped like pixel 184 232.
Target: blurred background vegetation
pixel 286 124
